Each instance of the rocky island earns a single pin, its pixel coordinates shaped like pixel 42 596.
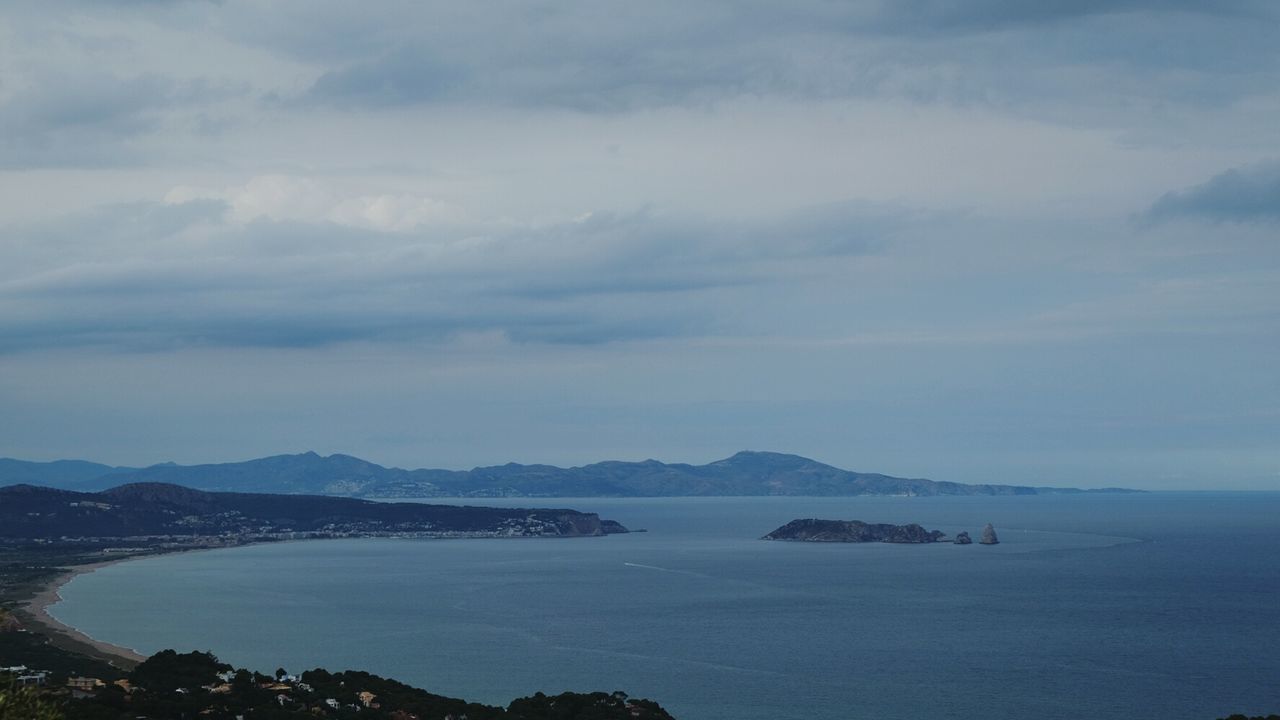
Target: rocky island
pixel 856 531
pixel 853 531
pixel 989 536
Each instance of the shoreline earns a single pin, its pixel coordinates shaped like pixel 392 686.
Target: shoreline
pixel 36 609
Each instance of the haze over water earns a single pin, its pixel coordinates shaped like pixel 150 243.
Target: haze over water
pixel 1102 606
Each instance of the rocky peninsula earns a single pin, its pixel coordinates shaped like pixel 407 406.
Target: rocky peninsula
pixel 164 513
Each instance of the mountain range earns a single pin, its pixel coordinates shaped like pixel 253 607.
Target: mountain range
pixel 746 473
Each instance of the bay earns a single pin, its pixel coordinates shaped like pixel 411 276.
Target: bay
pixel 1105 606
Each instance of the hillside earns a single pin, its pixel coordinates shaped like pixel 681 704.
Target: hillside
pixel 159 509
pixel 744 474
pixel 193 685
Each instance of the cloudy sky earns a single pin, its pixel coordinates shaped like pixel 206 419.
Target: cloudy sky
pixel 975 241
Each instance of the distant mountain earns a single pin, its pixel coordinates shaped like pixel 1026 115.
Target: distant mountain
pixel 744 474
pixel 158 509
pixel 67 474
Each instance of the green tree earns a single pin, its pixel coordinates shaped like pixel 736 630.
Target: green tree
pixel 26 704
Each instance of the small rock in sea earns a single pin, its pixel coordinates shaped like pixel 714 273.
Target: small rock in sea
pixel 989 536
pixel 962 538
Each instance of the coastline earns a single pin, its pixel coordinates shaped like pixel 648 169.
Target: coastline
pixel 36 610
pixel 33 612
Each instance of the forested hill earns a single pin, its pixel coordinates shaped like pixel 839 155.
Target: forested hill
pixel 196 685
pixel 744 474
pixel 159 509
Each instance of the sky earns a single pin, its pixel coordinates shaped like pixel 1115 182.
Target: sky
pixel 978 241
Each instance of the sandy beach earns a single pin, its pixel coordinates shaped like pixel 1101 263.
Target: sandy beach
pixel 37 609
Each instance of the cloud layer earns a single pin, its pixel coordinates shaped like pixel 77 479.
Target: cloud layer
pixel 1247 194
pixel 984 241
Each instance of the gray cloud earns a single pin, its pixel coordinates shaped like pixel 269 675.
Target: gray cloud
pixel 401 77
pixel 148 276
pixel 1110 64
pixel 551 63
pixel 62 119
pixel 663 55
pixel 1246 194
pixel 98 118
pixel 981 15
pixel 114 226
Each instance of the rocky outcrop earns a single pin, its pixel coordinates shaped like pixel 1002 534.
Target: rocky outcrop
pixel 852 531
pixel 962 538
pixel 612 527
pixel 989 536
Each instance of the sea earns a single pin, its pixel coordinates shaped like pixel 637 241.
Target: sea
pixel 1135 606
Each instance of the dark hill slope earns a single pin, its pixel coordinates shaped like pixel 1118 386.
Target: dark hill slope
pixel 191 685
pixel 162 509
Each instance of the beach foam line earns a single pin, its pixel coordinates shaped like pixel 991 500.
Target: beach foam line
pixel 38 610
pixel 666 570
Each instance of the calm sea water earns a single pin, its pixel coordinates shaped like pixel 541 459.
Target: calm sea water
pixel 1142 606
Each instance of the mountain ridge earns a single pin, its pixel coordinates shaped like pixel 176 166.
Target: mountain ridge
pixel 745 473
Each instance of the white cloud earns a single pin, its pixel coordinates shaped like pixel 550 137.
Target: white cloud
pixel 390 212
pixel 305 199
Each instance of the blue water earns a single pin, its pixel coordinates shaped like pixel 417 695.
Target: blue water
pixel 1138 606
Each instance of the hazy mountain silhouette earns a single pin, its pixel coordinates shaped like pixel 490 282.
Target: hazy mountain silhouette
pixel 744 474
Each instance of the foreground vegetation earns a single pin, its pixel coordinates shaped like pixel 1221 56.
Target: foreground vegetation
pixel 190 685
